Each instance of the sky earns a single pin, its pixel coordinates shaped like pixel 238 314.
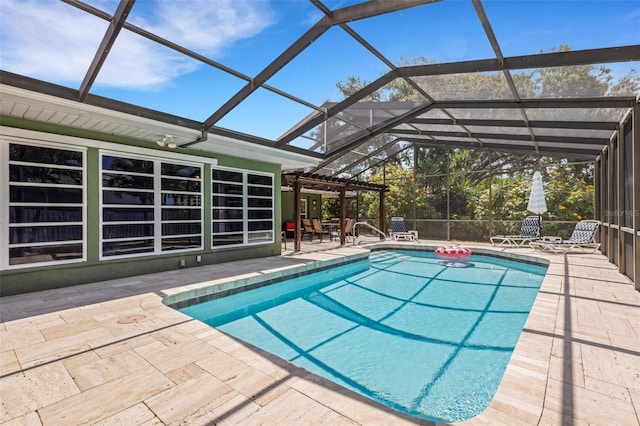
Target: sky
pixel 55 42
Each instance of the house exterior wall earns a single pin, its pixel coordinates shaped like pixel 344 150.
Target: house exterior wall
pixel 312 211
pixel 92 262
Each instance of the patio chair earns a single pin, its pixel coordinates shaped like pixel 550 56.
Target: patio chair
pixel 398 230
pixel 318 228
pixel 348 229
pixel 582 238
pixel 529 231
pixel 308 229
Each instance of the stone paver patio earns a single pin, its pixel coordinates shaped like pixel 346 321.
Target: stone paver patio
pixel 111 353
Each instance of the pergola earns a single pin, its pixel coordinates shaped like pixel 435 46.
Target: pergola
pixel 342 139
pixel 298 180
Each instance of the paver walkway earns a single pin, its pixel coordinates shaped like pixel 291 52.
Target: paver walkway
pixel 110 353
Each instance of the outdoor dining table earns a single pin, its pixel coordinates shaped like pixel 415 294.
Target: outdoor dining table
pixel 331 227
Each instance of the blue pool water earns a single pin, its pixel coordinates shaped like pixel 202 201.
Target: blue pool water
pixel 403 328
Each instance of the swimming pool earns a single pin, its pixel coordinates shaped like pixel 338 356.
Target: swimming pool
pixel 403 328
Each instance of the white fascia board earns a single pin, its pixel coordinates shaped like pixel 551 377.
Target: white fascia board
pixel 243 149
pixel 27 97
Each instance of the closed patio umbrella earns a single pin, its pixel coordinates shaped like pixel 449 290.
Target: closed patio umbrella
pixel 537 203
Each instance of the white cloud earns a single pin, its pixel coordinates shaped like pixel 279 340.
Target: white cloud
pixel 207 26
pixel 56 42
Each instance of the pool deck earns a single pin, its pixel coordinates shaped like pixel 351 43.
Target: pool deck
pixel 111 353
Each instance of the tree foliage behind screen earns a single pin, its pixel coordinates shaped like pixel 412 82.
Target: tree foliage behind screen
pixel 479 184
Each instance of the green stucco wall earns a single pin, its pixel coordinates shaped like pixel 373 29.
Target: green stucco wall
pixel 313 211
pixel 47 277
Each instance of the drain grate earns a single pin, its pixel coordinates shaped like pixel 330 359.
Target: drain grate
pixel 129 319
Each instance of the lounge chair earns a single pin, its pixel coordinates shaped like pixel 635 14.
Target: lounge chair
pixel 582 238
pixel 398 230
pixel 529 231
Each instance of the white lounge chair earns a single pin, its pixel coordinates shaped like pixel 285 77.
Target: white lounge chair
pixel 398 230
pixel 529 231
pixel 582 238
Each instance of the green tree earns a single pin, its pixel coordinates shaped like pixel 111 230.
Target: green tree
pixel 482 185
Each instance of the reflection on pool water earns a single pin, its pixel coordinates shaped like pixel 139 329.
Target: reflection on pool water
pixel 403 328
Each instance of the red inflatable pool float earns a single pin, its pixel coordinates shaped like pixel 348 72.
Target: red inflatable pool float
pixel 453 251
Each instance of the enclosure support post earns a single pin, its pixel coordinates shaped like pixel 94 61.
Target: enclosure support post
pixel 490 195
pixel 343 214
pixel 448 195
pixel 414 186
pixel 382 214
pixel 296 215
pixel 621 199
pixel 610 189
pixel 596 195
pixel 635 126
pixel 383 219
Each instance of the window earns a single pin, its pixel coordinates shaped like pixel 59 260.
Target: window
pixel 149 206
pixel 259 208
pixel 46 194
pixel 181 207
pixel 242 207
pixel 303 208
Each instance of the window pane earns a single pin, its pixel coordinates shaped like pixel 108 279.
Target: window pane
pixel 124 197
pixel 127 164
pixel 43 234
pixel 260 226
pixel 219 227
pixel 225 240
pixel 38 254
pixel 181 199
pixel 127 231
pixel 180 170
pixel 37 154
pixel 260 202
pixel 114 214
pixel 259 191
pixel 227 214
pixel 227 176
pixel 19 173
pixel 181 243
pixel 181 214
pixel 260 180
pixel 227 202
pixel 180 185
pixel 30 214
pixel 257 237
pixel 32 194
pixel 180 228
pixel 118 248
pixel 260 214
pixel 226 188
pixel 116 180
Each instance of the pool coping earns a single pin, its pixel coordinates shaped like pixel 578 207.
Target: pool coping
pixel 232 286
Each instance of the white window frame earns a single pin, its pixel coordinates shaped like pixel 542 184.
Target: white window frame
pixel 186 207
pixel 246 234
pixel 5 141
pixel 156 206
pixel 251 235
